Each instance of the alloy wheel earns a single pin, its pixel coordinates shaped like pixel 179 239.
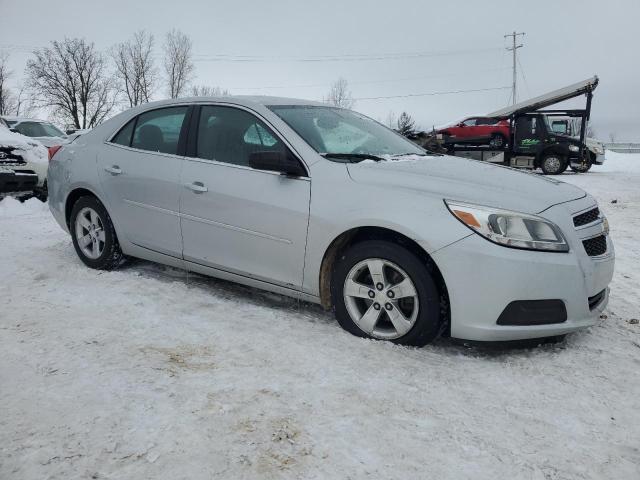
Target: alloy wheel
pixel 552 164
pixel 90 233
pixel 381 298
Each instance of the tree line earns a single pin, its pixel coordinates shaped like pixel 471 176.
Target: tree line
pixel 82 86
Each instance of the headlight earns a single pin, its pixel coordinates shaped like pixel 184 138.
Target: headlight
pixel 511 229
pixel 574 148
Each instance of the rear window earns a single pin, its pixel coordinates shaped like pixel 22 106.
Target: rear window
pixel 159 130
pixel 124 135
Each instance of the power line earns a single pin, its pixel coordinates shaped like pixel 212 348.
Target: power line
pixel 514 49
pixel 337 58
pixel 370 82
pixel 450 92
pixel 526 84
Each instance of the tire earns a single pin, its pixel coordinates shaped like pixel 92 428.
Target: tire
pixel 497 140
pixel 89 219
pixel 417 311
pixel 553 164
pixel 581 169
pixel 42 194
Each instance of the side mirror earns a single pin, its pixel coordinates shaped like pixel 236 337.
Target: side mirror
pixel 13 130
pixel 461 124
pixel 276 162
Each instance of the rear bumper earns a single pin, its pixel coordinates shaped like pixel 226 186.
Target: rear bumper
pixel 484 278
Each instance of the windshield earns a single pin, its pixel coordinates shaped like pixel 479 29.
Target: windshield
pixel 337 131
pixel 52 131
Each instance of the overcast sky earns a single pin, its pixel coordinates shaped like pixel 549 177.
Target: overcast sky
pixel 383 49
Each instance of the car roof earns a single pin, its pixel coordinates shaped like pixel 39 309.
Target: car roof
pixel 244 100
pixel 24 119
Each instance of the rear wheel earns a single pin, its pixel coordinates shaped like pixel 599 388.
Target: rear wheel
pixel 94 237
pixel 380 290
pixel 553 164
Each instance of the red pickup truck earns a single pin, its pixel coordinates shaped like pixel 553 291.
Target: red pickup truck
pixel 478 130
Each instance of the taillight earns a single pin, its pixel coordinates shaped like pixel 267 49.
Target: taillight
pixel 53 150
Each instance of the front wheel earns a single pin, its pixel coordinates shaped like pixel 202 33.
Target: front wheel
pixel 94 237
pixel 553 164
pixel 582 168
pixel 383 291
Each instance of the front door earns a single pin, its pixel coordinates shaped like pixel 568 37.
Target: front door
pixel 527 135
pixel 237 219
pixel 140 173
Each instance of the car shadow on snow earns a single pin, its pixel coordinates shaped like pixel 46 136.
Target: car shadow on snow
pixel 231 291
pixel 226 290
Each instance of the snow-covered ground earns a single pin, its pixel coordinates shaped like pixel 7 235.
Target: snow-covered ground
pixel 150 373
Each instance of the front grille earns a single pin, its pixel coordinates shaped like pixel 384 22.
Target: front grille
pixel 7 156
pixel 595 246
pixel 586 217
pixel 596 299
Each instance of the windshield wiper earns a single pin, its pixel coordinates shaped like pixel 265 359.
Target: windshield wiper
pixel 353 157
pixel 427 154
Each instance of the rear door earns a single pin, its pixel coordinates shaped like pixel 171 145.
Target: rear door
pixel 140 173
pixel 237 219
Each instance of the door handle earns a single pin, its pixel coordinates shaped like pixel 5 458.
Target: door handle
pixel 113 170
pixel 197 187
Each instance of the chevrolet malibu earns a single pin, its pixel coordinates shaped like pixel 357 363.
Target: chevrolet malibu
pixel 329 206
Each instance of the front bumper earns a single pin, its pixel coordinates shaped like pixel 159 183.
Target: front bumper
pixel 599 159
pixel 483 278
pixel 12 182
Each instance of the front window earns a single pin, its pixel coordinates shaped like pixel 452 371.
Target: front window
pixel 231 135
pixel 335 131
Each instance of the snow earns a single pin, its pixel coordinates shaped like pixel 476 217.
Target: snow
pixel 31 150
pixel 150 372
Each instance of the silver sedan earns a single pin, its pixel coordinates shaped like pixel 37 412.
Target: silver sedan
pixel 329 206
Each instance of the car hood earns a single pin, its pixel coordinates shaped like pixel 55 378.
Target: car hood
pixel 472 181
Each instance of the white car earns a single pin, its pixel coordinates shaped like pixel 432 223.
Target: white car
pixel 23 164
pixel 45 132
pixel 327 205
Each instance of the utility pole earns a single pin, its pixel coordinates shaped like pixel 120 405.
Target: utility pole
pixel 513 49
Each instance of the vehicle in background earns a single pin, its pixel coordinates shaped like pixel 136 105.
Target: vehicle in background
pixel 72 134
pixel 532 142
pixel 23 165
pixel 397 242
pixel 45 132
pixel 569 127
pixel 478 130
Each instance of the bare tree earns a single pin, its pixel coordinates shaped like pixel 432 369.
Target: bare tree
pixel 391 120
pixel 406 124
pixel 7 97
pixel 71 77
pixel 25 104
pixel 178 62
pixel 136 72
pixel 207 91
pixel 612 137
pixel 340 95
